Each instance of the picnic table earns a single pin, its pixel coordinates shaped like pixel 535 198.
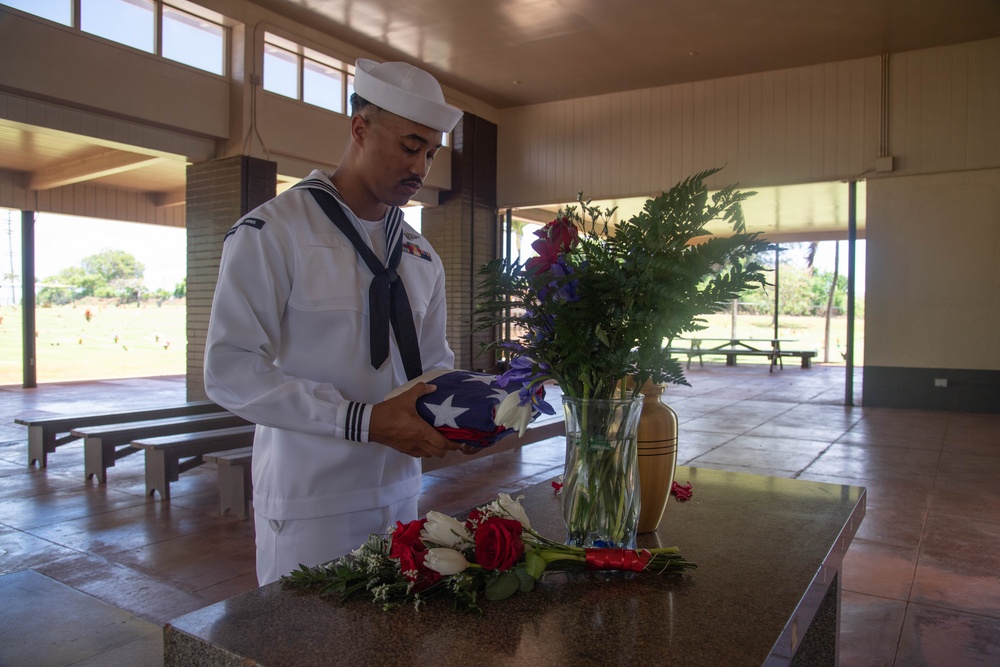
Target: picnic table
pixel 733 347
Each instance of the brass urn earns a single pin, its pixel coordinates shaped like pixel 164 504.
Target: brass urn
pixel 657 454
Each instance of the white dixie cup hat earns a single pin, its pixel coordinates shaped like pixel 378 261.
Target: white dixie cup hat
pixel 406 91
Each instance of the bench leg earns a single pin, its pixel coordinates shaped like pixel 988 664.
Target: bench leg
pixel 156 474
pixel 97 457
pixel 37 451
pixel 776 360
pixel 234 490
pixel 730 359
pixel 807 362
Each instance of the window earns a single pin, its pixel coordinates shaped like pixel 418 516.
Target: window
pixel 301 73
pixel 185 33
pixel 281 71
pixel 194 41
pixel 128 22
pixel 322 86
pixel 58 11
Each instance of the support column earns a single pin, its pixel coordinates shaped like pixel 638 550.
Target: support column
pixel 219 192
pixel 465 232
pixel 29 377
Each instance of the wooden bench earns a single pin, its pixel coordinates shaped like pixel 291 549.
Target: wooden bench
pixel 47 431
pixel 105 444
pixel 732 352
pixel 235 480
pixel 164 453
pixel 805 355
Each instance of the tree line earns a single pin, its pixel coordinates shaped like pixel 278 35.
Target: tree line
pixel 108 274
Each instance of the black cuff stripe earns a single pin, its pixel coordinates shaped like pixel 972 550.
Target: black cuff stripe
pixel 355 414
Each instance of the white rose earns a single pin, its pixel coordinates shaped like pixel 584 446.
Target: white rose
pixel 513 509
pixel 510 414
pixel 445 561
pixel 445 531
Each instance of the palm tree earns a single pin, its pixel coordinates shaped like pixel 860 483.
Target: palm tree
pixel 829 301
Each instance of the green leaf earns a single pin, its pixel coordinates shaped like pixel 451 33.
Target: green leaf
pixel 502 586
pixel 527 582
pixel 534 564
pixel 601 335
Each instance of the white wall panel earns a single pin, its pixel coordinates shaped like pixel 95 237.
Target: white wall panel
pixel 87 200
pixel 945 108
pixel 787 126
pixel 928 308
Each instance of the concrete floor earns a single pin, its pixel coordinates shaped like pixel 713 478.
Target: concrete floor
pixel 90 573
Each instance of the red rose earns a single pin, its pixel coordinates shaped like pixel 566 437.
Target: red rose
pixel 407 548
pixel 406 538
pixel 498 543
pixel 562 232
pixel 411 565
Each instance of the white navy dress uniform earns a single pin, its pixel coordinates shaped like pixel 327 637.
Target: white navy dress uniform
pixel 288 349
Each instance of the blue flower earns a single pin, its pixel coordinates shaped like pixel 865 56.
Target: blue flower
pixel 565 290
pixel 520 372
pixel 534 393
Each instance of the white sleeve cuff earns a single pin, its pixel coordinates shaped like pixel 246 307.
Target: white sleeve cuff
pixel 354 418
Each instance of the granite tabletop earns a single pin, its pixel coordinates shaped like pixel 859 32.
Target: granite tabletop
pixel 767 550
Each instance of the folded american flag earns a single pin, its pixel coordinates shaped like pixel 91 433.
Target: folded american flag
pixel 464 406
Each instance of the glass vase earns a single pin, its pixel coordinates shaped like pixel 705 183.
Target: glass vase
pixel 600 493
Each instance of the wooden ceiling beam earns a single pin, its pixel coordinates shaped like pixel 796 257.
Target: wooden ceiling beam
pixel 88 168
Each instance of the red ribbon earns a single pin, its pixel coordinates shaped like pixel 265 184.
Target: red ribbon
pixel 617 559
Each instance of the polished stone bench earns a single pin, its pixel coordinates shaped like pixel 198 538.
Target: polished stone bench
pixel 766 592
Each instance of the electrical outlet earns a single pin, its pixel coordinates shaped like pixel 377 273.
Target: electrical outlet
pixel 940 382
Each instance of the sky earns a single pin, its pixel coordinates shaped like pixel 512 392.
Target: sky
pixel 62 241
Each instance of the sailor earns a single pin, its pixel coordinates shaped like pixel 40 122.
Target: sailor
pixel 326 301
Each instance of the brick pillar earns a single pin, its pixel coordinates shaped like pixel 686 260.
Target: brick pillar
pixel 219 192
pixel 465 232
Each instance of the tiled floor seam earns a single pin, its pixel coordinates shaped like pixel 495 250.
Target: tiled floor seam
pixel 815 458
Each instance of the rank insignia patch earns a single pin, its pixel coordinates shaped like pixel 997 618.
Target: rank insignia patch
pixel 256 223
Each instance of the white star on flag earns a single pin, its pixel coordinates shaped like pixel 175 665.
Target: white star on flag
pixel 485 379
pixel 499 394
pixel 445 413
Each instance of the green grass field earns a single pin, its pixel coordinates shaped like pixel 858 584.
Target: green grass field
pixel 149 340
pixel 117 341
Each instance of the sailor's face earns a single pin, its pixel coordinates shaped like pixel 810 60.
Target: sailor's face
pixel 398 156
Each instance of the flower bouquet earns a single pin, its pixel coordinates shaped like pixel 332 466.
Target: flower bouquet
pixel 599 305
pixel 494 552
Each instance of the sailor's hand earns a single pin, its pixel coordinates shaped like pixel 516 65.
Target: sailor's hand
pixel 395 423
